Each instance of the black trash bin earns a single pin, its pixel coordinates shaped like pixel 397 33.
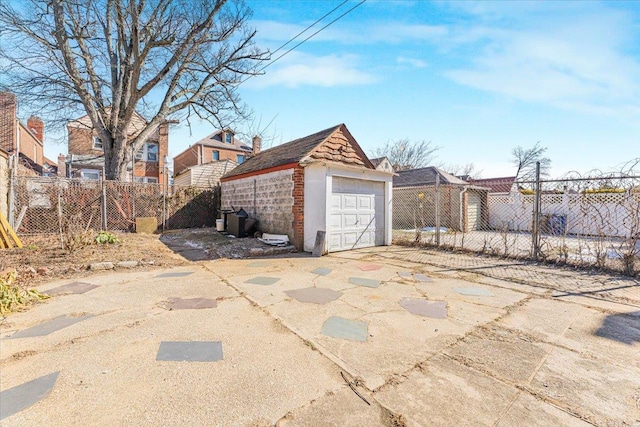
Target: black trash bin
pixel 235 223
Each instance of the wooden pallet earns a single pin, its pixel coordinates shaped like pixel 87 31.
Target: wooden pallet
pixel 8 238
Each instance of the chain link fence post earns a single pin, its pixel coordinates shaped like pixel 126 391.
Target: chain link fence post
pixel 437 210
pixel 535 229
pixel 103 205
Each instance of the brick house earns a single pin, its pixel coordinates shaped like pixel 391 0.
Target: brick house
pixel 322 182
pixel 85 158
pixel 25 140
pixel 220 145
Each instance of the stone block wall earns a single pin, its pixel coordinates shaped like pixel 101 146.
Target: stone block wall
pixel 268 197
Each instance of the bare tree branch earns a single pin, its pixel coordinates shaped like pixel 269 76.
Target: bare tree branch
pixel 111 59
pixel 525 161
pixel 405 154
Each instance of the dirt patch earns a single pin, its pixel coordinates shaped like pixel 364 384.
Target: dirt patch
pixel 42 259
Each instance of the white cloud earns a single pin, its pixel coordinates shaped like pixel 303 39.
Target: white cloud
pixel 417 63
pixel 573 61
pixel 297 69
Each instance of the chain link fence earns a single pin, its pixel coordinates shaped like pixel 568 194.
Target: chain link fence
pixel 52 205
pixel 587 222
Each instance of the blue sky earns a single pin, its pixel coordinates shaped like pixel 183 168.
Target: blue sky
pixel 476 79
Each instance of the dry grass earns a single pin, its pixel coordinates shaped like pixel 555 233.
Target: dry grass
pixel 42 258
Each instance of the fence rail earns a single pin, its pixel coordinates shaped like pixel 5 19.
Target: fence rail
pixel 49 205
pixel 584 221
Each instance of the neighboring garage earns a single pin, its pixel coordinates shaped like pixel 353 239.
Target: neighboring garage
pixel 322 182
pixel 462 205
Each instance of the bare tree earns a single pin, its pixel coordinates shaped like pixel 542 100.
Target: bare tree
pixel 525 159
pixel 111 59
pixel 405 154
pixel 466 171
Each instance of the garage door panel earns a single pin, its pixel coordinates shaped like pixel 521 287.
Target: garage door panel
pixel 357 214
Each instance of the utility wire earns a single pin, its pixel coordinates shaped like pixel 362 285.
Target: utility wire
pixel 306 39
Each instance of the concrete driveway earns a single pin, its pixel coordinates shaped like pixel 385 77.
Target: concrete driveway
pixel 289 342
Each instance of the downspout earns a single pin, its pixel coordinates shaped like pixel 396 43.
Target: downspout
pixel 464 190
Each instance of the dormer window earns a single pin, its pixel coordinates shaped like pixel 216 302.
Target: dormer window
pixel 97 143
pixel 228 137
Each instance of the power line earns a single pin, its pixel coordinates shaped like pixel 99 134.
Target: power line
pixel 306 39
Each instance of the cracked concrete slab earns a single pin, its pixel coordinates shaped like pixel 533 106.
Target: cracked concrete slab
pixel 474 292
pixel 190 351
pixel 369 267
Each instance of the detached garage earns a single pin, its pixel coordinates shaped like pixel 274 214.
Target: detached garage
pixel 322 182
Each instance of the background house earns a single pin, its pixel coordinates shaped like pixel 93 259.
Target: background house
pixel 220 145
pixel 25 140
pixel 322 182
pixel 207 175
pixel 501 185
pixel 85 158
pixel 462 207
pixel 382 164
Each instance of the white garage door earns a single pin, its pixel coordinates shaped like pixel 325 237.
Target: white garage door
pixel 474 211
pixel 357 214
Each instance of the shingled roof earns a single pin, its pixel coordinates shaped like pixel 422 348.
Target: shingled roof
pixel 323 145
pixel 425 176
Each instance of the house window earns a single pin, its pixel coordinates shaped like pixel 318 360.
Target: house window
pixel 148 152
pixel 97 143
pixel 90 174
pixel 216 155
pixel 240 158
pixel 228 137
pixel 145 179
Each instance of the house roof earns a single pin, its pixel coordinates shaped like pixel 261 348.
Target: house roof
pixel 215 140
pixel 425 176
pixel 323 145
pixel 376 162
pixel 495 185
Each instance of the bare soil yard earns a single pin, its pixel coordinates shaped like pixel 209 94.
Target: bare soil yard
pixel 42 259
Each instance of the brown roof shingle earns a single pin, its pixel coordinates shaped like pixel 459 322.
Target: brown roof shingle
pixel 338 146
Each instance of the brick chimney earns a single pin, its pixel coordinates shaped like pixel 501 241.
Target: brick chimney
pixel 257 144
pixel 36 126
pixel 8 110
pixel 62 165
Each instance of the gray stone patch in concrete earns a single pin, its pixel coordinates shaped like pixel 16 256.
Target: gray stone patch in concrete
pixel 422 278
pixel 370 267
pixel 190 351
pixel 322 271
pixel 475 292
pixel 264 281
pixel 190 303
pixel 421 307
pixel 50 326
pixel 405 274
pixel 24 395
pixel 361 281
pixel 174 274
pixel 339 327
pixel 314 295
pixel 259 264
pixel 71 288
